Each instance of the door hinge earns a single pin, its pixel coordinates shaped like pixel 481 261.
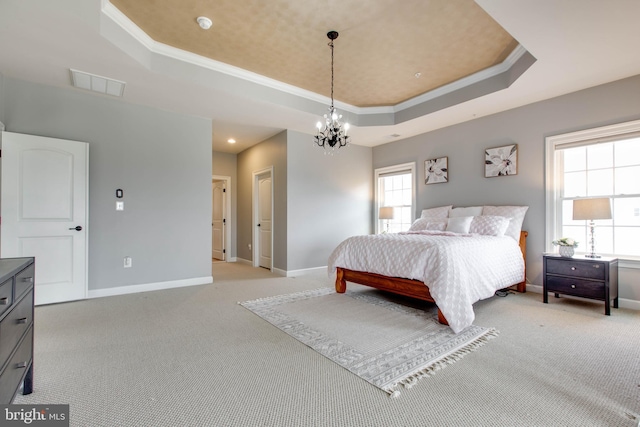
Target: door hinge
pixel 224 221
pixel 224 190
pixel 224 251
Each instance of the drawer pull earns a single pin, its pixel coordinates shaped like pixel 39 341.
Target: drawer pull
pixel 4 301
pixel 21 365
pixel 27 279
pixel 573 286
pixel 573 268
pixel 596 265
pixel 22 320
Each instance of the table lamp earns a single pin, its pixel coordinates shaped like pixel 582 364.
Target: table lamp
pixel 386 212
pixel 590 210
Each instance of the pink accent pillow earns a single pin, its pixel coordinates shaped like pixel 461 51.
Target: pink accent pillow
pixel 489 225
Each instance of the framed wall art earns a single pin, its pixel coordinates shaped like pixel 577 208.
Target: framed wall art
pixel 436 170
pixel 501 161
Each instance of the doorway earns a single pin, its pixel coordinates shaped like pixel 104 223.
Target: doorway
pixel 263 218
pixel 220 218
pixel 44 212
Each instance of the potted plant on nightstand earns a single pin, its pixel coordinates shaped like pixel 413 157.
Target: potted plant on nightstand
pixel 565 246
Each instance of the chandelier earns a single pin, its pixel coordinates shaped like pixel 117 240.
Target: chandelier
pixel 334 133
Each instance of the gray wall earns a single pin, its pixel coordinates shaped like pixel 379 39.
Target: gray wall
pixel 271 152
pixel 162 162
pixel 526 126
pixel 329 198
pixel 226 164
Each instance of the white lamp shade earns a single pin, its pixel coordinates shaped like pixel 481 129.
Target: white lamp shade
pixel 386 212
pixel 589 209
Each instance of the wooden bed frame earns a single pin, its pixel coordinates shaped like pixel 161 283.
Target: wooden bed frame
pixel 408 287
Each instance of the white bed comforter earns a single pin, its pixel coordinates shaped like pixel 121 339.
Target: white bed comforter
pixel 459 269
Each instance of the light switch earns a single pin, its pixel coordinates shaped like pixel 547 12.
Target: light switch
pixel 119 206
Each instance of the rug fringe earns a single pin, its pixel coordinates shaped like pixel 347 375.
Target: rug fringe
pixel 430 370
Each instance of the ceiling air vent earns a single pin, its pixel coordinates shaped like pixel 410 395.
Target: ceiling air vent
pixel 95 83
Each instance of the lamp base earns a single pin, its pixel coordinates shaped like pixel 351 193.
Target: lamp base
pixel 592 256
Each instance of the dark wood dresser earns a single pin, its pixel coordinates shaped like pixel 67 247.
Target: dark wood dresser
pixel 594 278
pixel 16 327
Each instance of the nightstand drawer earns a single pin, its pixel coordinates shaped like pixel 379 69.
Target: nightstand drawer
pixel 586 270
pixel 577 287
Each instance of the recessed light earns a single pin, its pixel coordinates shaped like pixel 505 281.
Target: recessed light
pixel 204 22
pixel 231 141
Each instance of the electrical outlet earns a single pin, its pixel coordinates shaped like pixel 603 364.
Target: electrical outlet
pixel 119 205
pixel 128 262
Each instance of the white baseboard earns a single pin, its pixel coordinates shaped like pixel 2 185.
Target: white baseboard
pixel 146 287
pixel 622 302
pixel 305 271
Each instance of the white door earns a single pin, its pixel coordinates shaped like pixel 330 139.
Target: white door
pixel 264 221
pixel 44 212
pixel 217 220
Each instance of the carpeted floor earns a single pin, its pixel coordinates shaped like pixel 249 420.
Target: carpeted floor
pixel 194 357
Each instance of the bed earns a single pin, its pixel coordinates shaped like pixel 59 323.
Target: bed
pixel 450 268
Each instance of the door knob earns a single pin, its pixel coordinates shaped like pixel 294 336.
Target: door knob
pixel 77 228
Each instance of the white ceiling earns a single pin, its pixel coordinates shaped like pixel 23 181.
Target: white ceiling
pixel 577 44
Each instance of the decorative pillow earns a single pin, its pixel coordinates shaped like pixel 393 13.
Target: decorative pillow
pixel 459 224
pixel 514 213
pixel 489 225
pixel 437 225
pixel 421 224
pixel 438 213
pixel 470 211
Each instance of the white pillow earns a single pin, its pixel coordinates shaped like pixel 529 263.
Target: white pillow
pixel 514 213
pixel 437 213
pixel 489 225
pixel 459 224
pixel 470 211
pixel 421 224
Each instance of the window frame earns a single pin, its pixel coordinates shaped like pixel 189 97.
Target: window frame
pixel 380 172
pixel 554 171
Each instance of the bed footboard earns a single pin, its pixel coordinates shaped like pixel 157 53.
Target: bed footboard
pixel 396 285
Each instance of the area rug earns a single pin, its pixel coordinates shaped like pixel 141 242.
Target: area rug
pixel 370 333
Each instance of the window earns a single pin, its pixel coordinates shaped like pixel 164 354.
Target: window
pixel 602 162
pixel 395 188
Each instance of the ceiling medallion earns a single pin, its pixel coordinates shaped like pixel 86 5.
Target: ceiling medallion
pixel 334 133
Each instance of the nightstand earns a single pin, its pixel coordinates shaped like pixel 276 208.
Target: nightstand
pixel 594 278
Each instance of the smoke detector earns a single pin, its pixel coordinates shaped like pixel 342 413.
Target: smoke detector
pixel 204 22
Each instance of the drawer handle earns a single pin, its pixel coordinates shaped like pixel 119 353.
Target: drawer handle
pixel 4 301
pixel 573 268
pixel 22 320
pixel 573 286
pixel 21 365
pixel 596 265
pixel 27 279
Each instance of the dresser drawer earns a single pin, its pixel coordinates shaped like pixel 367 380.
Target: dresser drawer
pixel 14 326
pixel 586 270
pixel 6 295
pixel 577 287
pixel 24 280
pixel 15 369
